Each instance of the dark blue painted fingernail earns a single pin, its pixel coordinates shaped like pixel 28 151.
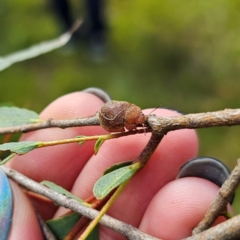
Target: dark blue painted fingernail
pixel 6 205
pixel 208 168
pixel 99 93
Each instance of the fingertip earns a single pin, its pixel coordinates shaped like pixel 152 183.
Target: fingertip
pixel 178 207
pixel 73 104
pixel 52 163
pixel 24 222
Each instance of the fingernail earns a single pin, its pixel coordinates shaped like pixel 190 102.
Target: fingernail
pixel 99 93
pixel 206 167
pixel 6 204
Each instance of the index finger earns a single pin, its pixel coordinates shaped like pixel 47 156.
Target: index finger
pixel 60 164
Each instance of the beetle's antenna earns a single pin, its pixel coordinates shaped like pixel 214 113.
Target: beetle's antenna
pixel 146 117
pixel 154 110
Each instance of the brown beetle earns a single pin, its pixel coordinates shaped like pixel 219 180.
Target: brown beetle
pixel 116 116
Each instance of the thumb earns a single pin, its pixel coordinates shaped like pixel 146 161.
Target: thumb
pixel 17 217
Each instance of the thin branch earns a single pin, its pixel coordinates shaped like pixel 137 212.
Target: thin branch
pixel 219 204
pixel 46 231
pixel 38 49
pixel 150 148
pixel 127 230
pixel 51 123
pixel 91 138
pixel 159 127
pixel 227 117
pixel 226 230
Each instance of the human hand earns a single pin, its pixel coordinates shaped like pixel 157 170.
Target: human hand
pixel 153 201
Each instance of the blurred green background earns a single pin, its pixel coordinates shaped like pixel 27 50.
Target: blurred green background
pixel 178 54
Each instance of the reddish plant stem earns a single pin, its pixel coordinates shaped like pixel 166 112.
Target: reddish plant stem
pixel 80 225
pixel 83 221
pixel 149 148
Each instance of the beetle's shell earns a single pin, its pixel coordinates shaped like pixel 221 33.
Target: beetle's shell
pixel 115 116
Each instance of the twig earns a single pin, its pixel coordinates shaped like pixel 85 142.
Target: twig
pixel 227 117
pixel 159 127
pixel 46 231
pixel 38 49
pixel 127 230
pixel 51 123
pixel 220 202
pixel 226 230
pixel 90 138
pixel 150 148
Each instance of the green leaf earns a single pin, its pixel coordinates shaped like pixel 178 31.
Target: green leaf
pixel 80 136
pixel 113 179
pixel 13 116
pixel 98 144
pixel 117 166
pixel 61 190
pixel 94 235
pixel 62 226
pixel 19 147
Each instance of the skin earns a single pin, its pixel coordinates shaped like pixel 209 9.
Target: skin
pixel 153 200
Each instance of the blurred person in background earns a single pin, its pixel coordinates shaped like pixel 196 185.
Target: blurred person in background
pixel 93 29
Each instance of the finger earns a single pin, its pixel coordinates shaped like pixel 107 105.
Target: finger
pixel 6 205
pixel 60 164
pixel 176 148
pixel 178 208
pixel 24 222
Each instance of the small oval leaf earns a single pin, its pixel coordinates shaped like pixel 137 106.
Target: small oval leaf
pixel 80 142
pixel 61 190
pixel 13 116
pixel 113 179
pixel 19 147
pixel 98 144
pixel 117 166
